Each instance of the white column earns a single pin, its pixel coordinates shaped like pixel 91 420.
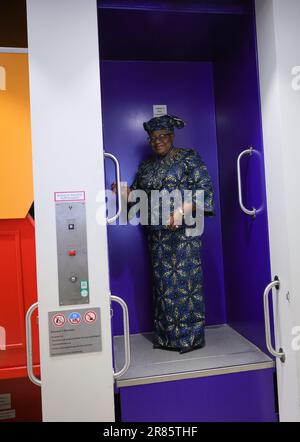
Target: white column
pixel 278 50
pixel 68 156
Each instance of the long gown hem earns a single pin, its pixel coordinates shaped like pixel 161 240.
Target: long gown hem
pixel 180 350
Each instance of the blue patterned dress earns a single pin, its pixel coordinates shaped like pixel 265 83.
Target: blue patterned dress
pixel 178 301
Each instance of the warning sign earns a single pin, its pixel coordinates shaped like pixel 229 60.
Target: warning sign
pixel 74 318
pixel 59 320
pixel 90 317
pixel 74 335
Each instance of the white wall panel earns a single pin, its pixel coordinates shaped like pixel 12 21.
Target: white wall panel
pixel 68 156
pixel 278 50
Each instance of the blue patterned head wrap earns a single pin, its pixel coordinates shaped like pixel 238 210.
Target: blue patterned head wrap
pixel 167 122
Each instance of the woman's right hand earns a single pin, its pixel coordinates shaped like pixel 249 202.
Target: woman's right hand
pixel 125 190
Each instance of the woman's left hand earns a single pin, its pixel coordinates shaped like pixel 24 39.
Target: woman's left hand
pixel 171 225
pixel 176 219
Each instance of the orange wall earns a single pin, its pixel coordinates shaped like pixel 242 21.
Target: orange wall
pixel 16 183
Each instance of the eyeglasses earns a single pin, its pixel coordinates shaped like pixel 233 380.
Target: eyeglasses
pixel 161 137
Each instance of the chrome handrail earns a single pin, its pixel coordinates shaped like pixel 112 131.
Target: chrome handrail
pixel 119 196
pixel 30 373
pixel 123 304
pixel 278 354
pixel 244 209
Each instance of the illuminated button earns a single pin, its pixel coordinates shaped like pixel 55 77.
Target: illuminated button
pixel 84 293
pixel 71 226
pixel 73 279
pixel 72 252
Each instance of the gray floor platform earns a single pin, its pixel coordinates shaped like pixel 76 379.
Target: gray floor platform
pixel 226 351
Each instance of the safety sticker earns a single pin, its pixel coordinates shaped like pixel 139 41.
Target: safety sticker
pixel 59 320
pixel 90 317
pixel 74 318
pixel 80 333
pixel 84 286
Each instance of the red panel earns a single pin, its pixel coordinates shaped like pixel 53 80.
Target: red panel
pixel 12 308
pixel 17 372
pixel 25 399
pixel 18 291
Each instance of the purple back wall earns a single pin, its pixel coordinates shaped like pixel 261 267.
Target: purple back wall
pixel 129 89
pixel 222 33
pixel 245 240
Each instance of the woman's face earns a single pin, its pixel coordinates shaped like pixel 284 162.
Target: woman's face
pixel 161 141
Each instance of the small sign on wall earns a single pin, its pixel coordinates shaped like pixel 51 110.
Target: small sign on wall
pixel 5 401
pixel 159 110
pixel 7 414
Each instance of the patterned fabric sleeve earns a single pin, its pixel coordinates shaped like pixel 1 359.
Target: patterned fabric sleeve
pixel 198 178
pixel 136 182
pixel 134 186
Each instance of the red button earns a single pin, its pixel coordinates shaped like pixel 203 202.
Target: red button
pixel 72 252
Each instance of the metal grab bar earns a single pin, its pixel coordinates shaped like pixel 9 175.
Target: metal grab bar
pixel 119 196
pixel 244 209
pixel 30 373
pixel 126 336
pixel 278 354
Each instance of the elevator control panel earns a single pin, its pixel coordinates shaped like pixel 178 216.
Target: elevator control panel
pixel 73 280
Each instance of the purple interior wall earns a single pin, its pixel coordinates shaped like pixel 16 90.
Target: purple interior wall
pixel 222 34
pixel 227 40
pixel 129 89
pixel 245 240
